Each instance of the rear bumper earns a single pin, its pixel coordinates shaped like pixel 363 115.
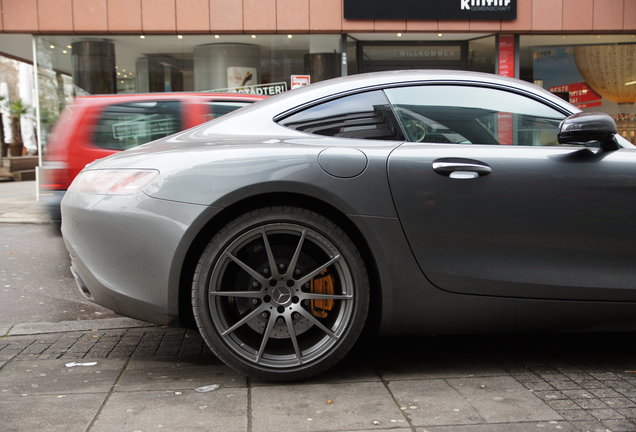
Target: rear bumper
pixel 127 252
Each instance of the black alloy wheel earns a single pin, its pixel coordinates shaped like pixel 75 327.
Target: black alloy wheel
pixel 280 293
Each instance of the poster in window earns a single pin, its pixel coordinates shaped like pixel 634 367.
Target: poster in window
pixel 239 76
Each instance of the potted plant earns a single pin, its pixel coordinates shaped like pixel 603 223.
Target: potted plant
pixel 16 110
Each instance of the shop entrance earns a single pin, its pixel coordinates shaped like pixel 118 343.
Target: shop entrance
pixel 383 56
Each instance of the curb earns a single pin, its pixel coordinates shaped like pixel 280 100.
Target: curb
pixel 25 329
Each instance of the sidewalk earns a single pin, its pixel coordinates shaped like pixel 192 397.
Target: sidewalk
pixel 157 378
pixel 18 203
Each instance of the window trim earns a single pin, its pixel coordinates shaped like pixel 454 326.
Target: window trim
pixel 283 115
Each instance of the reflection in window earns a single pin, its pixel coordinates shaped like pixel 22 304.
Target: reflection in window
pixel 361 116
pixel 219 108
pixel 127 125
pixel 473 115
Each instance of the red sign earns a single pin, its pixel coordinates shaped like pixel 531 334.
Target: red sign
pixel 506 51
pixel 580 93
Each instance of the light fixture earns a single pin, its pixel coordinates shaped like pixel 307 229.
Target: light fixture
pixel 216 36
pixel 399 35
pixel 64 52
pixel 118 73
pixel 52 46
pixel 440 34
pixel 290 36
pixel 142 36
pixel 179 36
pixel 68 46
pixel 253 36
pixel 630 83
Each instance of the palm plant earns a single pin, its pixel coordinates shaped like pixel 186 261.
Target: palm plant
pixel 17 109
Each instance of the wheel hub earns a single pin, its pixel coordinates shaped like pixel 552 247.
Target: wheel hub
pixel 281 295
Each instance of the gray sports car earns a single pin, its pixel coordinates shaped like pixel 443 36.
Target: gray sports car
pixel 401 202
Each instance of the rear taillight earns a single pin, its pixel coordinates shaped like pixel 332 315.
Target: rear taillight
pixel 55 176
pixel 112 181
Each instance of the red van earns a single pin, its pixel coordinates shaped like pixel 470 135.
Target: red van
pixel 94 127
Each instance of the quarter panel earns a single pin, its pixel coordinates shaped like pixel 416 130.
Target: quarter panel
pixel 138 238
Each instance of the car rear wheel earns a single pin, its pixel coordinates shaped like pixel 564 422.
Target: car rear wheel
pixel 280 293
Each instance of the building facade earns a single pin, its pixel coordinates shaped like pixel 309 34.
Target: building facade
pixel 584 50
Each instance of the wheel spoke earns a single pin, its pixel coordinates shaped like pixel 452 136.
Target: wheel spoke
pixel 317 323
pixel 314 296
pixel 247 294
pixel 294 339
pixel 294 260
pixel 243 320
pixel 247 269
pixel 273 268
pixel 317 270
pixel 266 334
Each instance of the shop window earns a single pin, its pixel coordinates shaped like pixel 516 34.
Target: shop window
pixel 473 115
pixel 361 116
pixel 127 125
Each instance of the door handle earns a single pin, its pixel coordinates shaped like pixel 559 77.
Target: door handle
pixel 461 168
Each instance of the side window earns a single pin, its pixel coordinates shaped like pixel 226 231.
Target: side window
pixel 219 108
pixel 362 116
pixel 473 115
pixel 127 125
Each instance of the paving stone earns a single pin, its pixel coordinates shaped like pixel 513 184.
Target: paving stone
pixel 434 402
pixel 155 374
pixel 307 407
pixel 557 426
pixel 538 386
pixel 578 394
pixel 605 414
pixel 619 402
pixel 555 377
pixel 51 413
pixel 622 425
pixel 502 399
pixel 627 412
pixel 560 405
pixel 576 415
pixel 427 370
pixel 566 385
pixel 4 329
pixel 608 393
pixel 53 377
pixel 591 403
pixel 526 377
pixel 351 369
pixel 221 410
pixel 550 395
pixel 589 426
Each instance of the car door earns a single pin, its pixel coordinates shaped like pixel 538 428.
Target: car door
pixel 531 219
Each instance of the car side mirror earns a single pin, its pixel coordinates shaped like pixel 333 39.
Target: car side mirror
pixel 585 127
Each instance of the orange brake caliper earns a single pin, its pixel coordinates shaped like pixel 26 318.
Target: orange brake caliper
pixel 322 285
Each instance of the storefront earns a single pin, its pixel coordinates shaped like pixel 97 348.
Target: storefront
pixel 584 50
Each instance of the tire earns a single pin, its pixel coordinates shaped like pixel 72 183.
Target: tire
pixel 271 321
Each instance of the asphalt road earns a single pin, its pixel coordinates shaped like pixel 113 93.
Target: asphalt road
pixel 36 284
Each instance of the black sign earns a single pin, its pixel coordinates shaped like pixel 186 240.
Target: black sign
pixel 431 9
